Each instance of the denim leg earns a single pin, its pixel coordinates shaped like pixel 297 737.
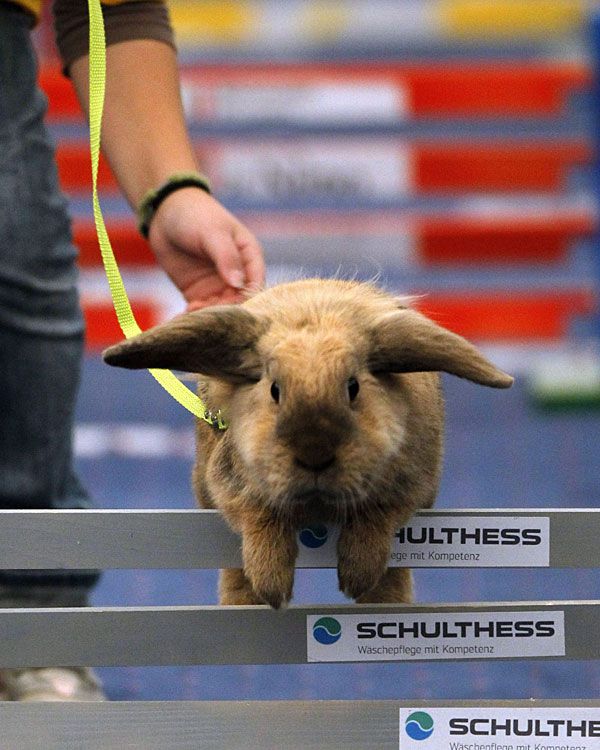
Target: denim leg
pixel 41 325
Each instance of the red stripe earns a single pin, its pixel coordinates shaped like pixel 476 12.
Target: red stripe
pixel 62 101
pixel 510 90
pixel 452 166
pixel 500 166
pixel 130 248
pixel 510 316
pixel 102 326
pixel 438 241
pixel 546 240
pixel 75 171
pixel 505 316
pixel 450 90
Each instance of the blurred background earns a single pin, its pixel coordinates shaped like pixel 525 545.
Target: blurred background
pixel 446 147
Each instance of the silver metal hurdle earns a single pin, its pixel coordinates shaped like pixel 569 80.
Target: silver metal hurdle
pixel 127 636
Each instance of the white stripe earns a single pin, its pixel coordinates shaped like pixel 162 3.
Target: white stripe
pixel 287 99
pixel 344 169
pixel 133 440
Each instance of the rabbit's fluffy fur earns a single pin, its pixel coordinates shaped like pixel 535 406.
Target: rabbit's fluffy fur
pixel 332 392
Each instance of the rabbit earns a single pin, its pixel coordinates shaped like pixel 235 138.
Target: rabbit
pixel 332 393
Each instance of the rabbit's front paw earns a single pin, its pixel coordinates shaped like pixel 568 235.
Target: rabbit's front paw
pixel 272 587
pixel 360 566
pixel 269 566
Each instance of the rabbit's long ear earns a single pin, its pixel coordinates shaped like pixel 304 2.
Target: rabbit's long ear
pixel 407 341
pixel 218 341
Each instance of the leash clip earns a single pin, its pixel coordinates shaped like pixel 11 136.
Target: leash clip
pixel 215 420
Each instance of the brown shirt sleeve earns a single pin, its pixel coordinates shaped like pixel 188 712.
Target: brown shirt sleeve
pixel 136 19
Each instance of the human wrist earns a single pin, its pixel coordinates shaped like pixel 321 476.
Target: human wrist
pixel 152 200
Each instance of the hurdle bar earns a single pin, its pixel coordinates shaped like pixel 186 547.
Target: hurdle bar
pixel 256 635
pixel 185 539
pixel 236 725
pixel 244 635
pixel 216 635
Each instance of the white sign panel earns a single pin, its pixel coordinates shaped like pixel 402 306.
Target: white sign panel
pixel 434 635
pixel 317 547
pixel 325 102
pixel 499 728
pixel 308 169
pixel 473 542
pixel 446 541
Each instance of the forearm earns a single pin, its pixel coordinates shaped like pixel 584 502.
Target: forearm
pixel 205 250
pixel 144 135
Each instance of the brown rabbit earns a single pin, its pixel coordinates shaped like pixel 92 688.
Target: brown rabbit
pixel 332 393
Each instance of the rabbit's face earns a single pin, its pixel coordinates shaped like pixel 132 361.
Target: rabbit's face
pixel 318 428
pixel 319 382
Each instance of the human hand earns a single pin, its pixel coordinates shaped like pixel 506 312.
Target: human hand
pixel 205 250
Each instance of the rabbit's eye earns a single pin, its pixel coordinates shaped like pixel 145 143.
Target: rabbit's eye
pixel 353 388
pixel 275 392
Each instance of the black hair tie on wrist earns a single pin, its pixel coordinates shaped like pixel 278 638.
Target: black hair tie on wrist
pixel 153 198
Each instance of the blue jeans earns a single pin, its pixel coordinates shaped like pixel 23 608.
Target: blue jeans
pixel 41 325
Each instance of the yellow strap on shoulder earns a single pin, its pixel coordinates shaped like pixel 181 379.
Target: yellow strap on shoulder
pixel 125 316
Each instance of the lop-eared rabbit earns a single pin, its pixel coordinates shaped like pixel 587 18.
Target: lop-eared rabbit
pixel 332 393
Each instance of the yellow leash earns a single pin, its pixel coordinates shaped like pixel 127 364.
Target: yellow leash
pixel 121 303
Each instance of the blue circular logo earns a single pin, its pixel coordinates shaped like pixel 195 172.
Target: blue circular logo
pixel 314 536
pixel 327 630
pixel 419 726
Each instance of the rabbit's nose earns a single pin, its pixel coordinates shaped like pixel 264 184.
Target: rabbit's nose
pixel 316 463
